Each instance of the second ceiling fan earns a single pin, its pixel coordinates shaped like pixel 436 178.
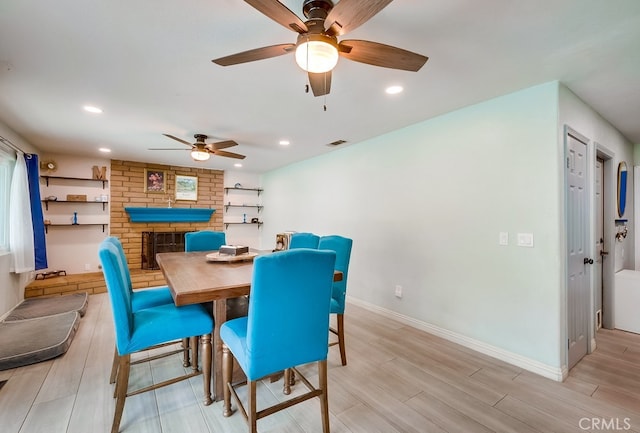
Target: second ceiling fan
pixel 201 151
pixel 317 49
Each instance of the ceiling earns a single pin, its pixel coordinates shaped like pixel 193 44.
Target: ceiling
pixel 147 64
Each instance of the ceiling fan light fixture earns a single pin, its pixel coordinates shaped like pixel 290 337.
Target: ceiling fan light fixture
pixel 199 154
pixel 316 53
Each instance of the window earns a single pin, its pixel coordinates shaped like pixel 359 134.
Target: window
pixel 7 162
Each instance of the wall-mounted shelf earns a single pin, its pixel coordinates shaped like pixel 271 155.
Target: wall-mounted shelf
pixel 258 206
pixel 227 188
pixel 237 205
pixel 46 226
pixel 46 202
pixel 73 182
pixel 47 177
pixel 226 225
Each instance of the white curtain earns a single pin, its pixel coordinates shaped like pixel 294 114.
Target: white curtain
pixel 20 227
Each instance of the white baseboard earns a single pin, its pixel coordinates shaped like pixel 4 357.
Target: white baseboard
pixel 553 373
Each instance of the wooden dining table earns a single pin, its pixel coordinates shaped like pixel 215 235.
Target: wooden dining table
pixel 193 279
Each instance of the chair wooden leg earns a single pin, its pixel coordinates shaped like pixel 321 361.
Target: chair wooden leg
pixel 185 359
pixel 114 366
pixel 252 416
pixel 287 382
pixel 122 385
pixel 205 341
pixel 343 350
pixel 227 377
pixel 324 398
pixel 193 345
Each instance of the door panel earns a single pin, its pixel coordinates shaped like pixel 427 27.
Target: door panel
pixel 577 243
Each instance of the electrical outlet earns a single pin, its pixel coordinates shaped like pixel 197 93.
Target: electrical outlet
pixel 87 267
pixel 398 291
pixel 525 240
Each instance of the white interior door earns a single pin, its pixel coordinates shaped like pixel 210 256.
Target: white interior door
pixel 579 262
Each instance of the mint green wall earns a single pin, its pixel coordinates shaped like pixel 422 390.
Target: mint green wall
pixel 424 206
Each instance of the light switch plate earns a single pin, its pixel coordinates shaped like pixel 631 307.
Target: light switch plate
pixel 503 238
pixel 525 240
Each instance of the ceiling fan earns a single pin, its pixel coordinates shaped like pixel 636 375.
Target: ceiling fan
pixel 317 48
pixel 201 151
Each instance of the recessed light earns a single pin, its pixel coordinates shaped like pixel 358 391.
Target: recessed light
pixel 237 164
pixel 104 150
pixel 394 90
pixel 92 109
pixel 284 142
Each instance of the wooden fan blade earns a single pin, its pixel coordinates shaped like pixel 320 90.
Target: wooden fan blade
pixel 347 15
pixel 320 83
pixel 255 54
pixel 222 144
pixel 157 148
pixel 228 154
pixel 178 139
pixel 280 14
pixel 376 54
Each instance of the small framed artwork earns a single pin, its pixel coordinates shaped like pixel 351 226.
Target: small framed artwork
pixel 186 187
pixel 155 180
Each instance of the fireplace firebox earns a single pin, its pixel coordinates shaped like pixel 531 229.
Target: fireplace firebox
pixel 159 242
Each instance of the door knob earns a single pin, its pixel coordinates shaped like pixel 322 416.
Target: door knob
pixel 588 261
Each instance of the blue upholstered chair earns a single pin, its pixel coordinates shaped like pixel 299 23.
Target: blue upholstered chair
pixel 342 248
pixel 304 240
pixel 204 240
pixel 140 330
pixel 287 325
pixel 141 299
pixel 148 297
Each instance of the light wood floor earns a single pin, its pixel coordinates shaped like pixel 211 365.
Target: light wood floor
pixel 398 380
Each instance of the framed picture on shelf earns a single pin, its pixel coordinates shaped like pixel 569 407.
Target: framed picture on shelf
pixel 186 187
pixel 155 180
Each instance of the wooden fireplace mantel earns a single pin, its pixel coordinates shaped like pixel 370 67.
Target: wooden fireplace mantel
pixel 168 214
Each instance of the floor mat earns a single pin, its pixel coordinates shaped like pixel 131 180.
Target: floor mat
pixel 29 341
pixel 39 307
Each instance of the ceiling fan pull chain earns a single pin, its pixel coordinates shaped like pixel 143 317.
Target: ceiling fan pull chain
pixel 325 95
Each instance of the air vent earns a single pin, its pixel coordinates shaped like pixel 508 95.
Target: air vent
pixel 336 143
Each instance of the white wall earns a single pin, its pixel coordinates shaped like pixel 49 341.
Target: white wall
pixel 74 248
pixel 12 285
pixel 576 114
pixel 583 119
pixel 425 205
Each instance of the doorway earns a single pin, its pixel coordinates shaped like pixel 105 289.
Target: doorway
pixel 600 252
pixel 604 215
pixel 590 205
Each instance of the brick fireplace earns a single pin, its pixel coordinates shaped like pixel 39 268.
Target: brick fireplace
pixel 127 184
